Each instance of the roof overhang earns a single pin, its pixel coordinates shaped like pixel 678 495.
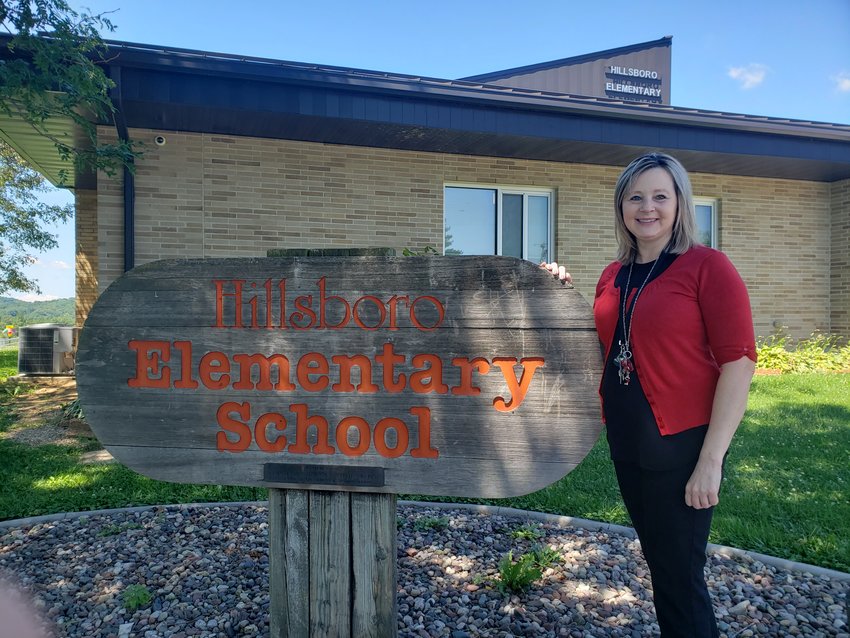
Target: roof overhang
pixel 192 91
pixel 38 150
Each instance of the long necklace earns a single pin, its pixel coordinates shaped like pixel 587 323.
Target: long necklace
pixel 623 360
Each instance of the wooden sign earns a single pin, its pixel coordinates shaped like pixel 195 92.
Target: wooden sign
pixel 473 376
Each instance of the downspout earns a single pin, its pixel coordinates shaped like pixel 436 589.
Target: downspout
pixel 129 177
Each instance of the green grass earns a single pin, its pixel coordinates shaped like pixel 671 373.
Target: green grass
pixel 786 493
pixel 8 363
pixel 787 486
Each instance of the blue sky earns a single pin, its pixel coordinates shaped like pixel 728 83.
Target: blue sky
pixel 782 58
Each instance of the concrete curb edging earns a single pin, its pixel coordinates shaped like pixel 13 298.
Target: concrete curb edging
pixel 493 510
pixel 596 526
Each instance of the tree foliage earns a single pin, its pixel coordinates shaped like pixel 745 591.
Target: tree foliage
pixel 22 220
pixel 19 313
pixel 50 69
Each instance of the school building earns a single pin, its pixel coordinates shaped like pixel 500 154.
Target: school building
pixel 247 154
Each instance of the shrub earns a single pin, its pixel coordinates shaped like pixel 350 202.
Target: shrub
pixel 818 353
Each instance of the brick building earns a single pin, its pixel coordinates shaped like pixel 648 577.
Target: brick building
pixel 245 155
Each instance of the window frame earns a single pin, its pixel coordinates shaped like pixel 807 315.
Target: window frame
pixel 502 190
pixel 714 203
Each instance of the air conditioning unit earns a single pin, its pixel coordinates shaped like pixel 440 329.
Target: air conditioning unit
pixel 47 348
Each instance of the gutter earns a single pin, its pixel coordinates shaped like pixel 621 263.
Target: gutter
pixel 129 177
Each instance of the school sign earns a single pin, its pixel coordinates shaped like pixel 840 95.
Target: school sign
pixel 467 376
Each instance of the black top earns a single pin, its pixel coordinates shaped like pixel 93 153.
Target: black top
pixel 633 434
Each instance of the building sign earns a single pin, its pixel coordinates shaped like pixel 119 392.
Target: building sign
pixel 632 73
pixel 630 83
pixel 472 376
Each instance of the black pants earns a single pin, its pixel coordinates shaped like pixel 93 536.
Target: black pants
pixel 673 537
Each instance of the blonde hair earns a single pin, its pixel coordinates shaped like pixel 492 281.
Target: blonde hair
pixel 685 225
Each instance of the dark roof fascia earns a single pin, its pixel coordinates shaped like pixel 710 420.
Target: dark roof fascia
pixel 265 70
pixel 578 59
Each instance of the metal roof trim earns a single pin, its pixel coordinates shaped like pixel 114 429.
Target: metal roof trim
pixel 265 69
pixel 572 60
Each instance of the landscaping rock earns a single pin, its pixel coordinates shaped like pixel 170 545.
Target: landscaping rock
pixel 206 569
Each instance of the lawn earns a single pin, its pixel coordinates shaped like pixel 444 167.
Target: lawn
pixel 786 493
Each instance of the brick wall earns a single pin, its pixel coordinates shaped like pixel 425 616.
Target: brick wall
pixel 212 196
pixel 86 246
pixel 777 233
pixel 840 266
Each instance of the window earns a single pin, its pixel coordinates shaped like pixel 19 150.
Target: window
pixel 498 221
pixel 706 212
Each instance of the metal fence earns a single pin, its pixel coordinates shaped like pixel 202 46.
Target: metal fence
pixel 9 344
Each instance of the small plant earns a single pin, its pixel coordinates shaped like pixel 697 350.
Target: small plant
pixel 11 390
pixel 114 530
pixel 545 556
pixel 528 532
pixel 136 597
pixel 72 410
pixel 425 252
pixel 517 576
pixel 431 523
pixel 480 579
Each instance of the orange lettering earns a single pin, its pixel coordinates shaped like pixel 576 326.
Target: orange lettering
pixel 302 423
pixel 214 363
pixel 346 363
pixel 149 357
pixel 237 301
pixel 423 449
pixel 441 312
pixel 392 304
pixel 363 436
pixel 323 305
pixel 388 359
pixel 517 390
pixel 306 312
pixel 433 373
pixel 260 432
pixel 402 437
pixel 264 368
pixel 185 382
pixel 381 311
pixel 240 429
pixel 311 364
pixel 466 367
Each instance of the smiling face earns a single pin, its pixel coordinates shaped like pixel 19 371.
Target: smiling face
pixel 649 212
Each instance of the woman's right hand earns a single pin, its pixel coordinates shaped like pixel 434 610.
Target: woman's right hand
pixel 557 271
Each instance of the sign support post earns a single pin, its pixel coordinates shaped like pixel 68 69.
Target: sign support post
pixel 332 564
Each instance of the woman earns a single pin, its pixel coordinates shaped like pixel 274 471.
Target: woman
pixel 674 320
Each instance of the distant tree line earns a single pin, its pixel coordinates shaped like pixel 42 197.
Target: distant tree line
pixel 26 313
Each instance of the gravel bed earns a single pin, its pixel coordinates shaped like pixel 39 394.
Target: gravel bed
pixel 206 569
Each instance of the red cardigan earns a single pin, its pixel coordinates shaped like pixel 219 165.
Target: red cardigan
pixel 688 322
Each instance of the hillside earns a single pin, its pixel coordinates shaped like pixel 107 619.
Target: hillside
pixel 24 313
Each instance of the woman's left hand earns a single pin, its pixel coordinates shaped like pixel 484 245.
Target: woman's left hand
pixel 703 488
pixel 730 401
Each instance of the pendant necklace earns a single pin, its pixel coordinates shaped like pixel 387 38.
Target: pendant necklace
pixel 623 360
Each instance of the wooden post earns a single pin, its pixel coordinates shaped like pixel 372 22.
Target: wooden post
pixel 332 564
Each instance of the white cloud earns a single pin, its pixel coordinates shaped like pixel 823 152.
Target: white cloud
pixel 749 76
pixel 842 81
pixel 61 265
